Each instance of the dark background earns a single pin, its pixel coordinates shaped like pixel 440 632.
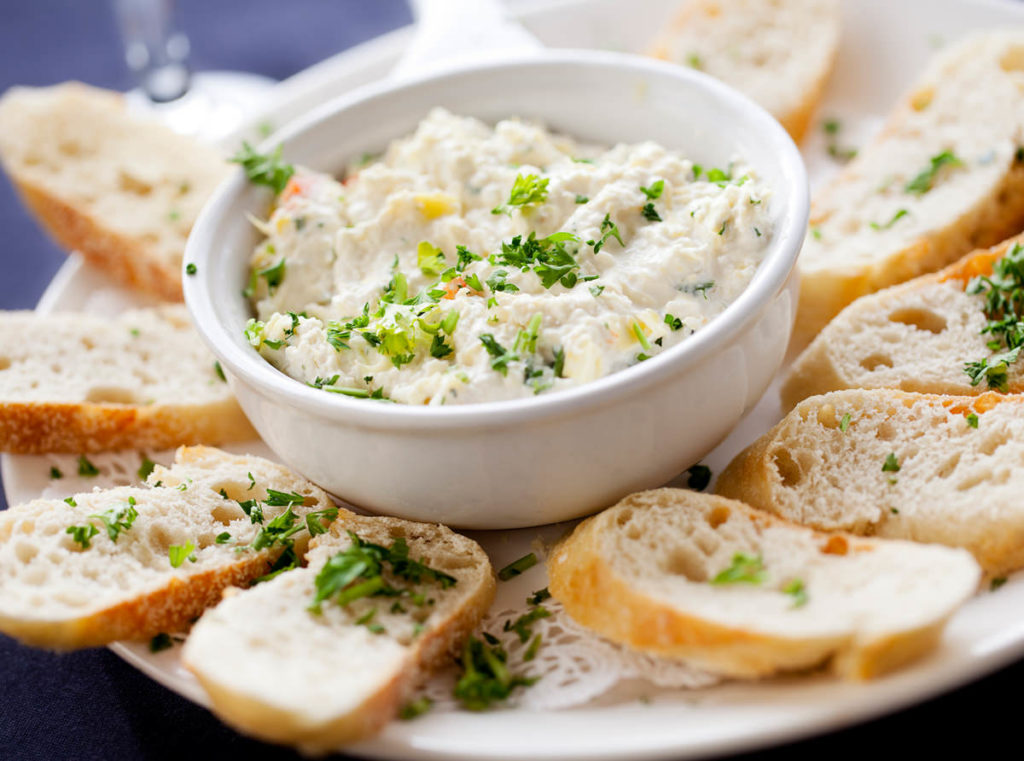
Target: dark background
pixel 92 705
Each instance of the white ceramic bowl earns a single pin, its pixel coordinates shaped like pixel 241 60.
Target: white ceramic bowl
pixel 553 457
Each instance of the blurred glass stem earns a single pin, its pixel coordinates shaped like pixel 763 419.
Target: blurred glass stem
pixel 155 49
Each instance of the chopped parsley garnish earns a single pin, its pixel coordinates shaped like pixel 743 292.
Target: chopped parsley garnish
pixel 900 214
pixel 179 553
pixel 500 356
pixel 548 257
pixel 694 61
pixel 517 567
pixel 701 288
pixel 891 464
pixel 831 128
pixel 55 472
pixel 527 190
pixel 71 501
pixel 486 678
pixel 429 258
pixel 641 336
pixel 719 176
pixel 699 477
pixel 357 572
pixel 190 268
pixel 559 364
pixel 844 422
pixel 82 534
pixel 85 468
pixel 220 371
pixel 522 626
pixel 465 258
pixel 273 275
pixel 972 419
pixel 161 641
pixel 596 290
pixel 145 468
pixel 497 282
pixel 654 192
pixel 608 230
pixel 253 332
pixel 223 538
pixel 744 569
pixel 797 591
pixel 1003 292
pixel 673 322
pixel 650 213
pixel 582 199
pixel 539 596
pixel 118 519
pixel 264 169
pixel 277 498
pixel 925 179
pixel 415 708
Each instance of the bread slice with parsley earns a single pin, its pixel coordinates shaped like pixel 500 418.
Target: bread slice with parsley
pixel 326 655
pixel 925 335
pixel 779 53
pixel 928 468
pixel 133 561
pixel 944 176
pixel 122 190
pixel 77 382
pixel 737 591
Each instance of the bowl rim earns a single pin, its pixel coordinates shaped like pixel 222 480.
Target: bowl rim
pixel 770 277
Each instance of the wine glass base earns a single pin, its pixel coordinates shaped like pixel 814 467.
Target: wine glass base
pixel 215 105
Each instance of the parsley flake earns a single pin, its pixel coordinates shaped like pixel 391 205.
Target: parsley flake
pixel 925 179
pixel 264 169
pixel 744 569
pixel 85 468
pixel 516 567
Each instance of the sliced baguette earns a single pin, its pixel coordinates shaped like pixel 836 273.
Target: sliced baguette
pixel 916 336
pixel 122 190
pixel 956 485
pixel 278 671
pixel 779 53
pixel 642 573
pixel 868 231
pixel 75 382
pixel 58 594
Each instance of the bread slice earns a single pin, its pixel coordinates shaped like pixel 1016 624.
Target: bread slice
pixel 779 53
pixel 76 382
pixel 653 573
pixel 275 669
pixel 122 190
pixel 56 592
pixel 916 336
pixel 944 176
pixel 955 485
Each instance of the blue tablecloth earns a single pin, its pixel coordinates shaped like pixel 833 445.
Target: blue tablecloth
pixel 91 705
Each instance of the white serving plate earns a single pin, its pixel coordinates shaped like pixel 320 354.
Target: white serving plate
pixel 884 45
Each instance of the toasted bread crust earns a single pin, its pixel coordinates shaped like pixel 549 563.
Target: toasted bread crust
pixel 127 260
pixel 586 583
pixel 795 119
pixel 41 427
pixel 256 717
pixel 752 478
pixel 170 608
pixel 815 371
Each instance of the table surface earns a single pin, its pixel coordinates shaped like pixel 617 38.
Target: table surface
pixel 92 705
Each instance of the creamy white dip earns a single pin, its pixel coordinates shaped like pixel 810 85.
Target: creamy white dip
pixel 416 278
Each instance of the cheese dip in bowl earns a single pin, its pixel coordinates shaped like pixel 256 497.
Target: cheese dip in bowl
pixel 472 263
pixel 508 294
